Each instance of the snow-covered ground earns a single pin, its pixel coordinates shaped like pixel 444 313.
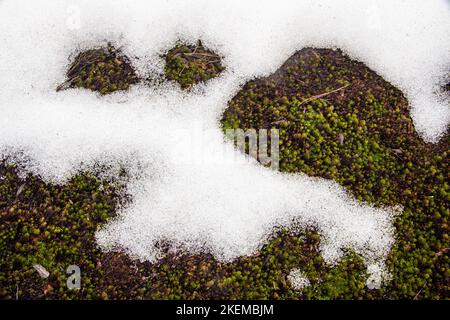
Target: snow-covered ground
pixel 207 203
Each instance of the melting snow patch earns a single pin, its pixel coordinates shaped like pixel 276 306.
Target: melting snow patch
pixel 187 193
pixel 298 280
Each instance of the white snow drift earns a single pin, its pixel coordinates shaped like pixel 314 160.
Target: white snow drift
pixel 227 208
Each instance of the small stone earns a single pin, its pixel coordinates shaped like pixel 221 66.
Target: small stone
pixel 43 273
pixel 48 289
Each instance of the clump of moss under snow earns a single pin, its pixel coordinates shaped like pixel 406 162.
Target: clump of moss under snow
pixel 104 70
pixel 339 120
pixel 189 65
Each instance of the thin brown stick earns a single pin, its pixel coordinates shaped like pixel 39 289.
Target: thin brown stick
pixel 214 61
pixel 66 84
pixel 323 94
pixel 182 70
pixel 202 54
pixel 418 293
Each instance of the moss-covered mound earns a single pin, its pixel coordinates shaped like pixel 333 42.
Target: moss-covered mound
pixel 104 70
pixel 191 64
pixel 340 120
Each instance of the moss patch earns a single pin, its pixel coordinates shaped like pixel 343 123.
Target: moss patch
pixel 340 120
pixel 54 226
pixel 104 70
pixel 191 64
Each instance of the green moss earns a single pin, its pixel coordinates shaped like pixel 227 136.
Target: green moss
pixel 104 70
pixel 54 226
pixel 341 121
pixel 191 64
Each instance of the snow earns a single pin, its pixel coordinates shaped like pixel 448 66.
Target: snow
pixel 207 203
pixel 298 280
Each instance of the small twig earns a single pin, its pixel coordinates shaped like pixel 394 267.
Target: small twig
pixel 317 55
pixel 278 121
pixel 417 295
pixel 442 251
pixel 397 153
pixel 196 47
pixel 212 55
pixel 182 70
pixel 66 84
pixel 323 94
pixel 213 61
